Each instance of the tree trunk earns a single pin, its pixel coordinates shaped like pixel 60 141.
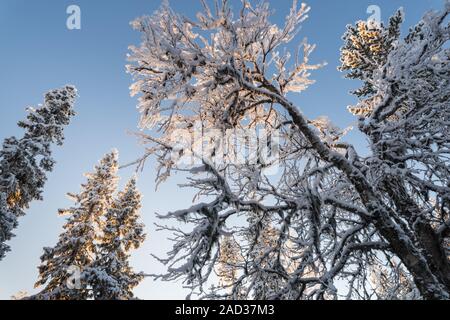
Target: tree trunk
pixel 425 235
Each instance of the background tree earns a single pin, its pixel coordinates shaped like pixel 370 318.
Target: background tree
pixel 337 212
pixel 402 288
pixel 267 260
pixel 24 162
pixel 228 266
pixel 366 49
pixel 77 247
pixel 110 274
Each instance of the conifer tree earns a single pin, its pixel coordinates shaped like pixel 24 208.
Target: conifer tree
pixel 366 49
pixel 24 162
pixel 110 275
pixel 77 246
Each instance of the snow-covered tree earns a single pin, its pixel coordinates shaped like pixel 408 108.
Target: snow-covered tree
pixel 407 123
pixel 335 212
pixel 366 49
pixel 24 162
pixel 65 269
pixel 402 288
pixel 20 295
pixel 266 260
pixel 228 267
pixel 110 274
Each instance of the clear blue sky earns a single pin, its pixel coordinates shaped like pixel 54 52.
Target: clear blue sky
pixel 39 53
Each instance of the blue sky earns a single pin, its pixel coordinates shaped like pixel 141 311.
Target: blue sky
pixel 39 53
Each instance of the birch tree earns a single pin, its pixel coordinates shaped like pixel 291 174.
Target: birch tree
pixel 335 213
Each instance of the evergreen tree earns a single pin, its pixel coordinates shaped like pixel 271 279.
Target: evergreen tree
pixel 110 275
pixel 366 49
pixel 229 259
pixel 77 246
pixel 24 162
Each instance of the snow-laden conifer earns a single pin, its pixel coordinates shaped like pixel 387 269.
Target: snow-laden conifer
pixel 25 162
pixel 63 270
pixel 110 274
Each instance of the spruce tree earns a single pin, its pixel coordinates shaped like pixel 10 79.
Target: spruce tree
pixel 77 246
pixel 24 162
pixel 110 275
